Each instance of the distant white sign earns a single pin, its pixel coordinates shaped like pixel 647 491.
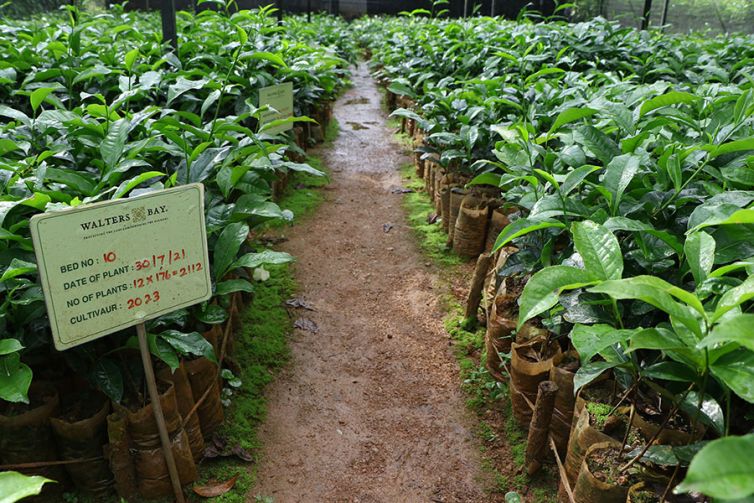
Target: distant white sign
pixel 280 98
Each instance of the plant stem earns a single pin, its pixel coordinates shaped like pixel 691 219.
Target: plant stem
pixel 665 422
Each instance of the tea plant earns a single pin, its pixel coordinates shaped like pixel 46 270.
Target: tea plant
pixel 625 159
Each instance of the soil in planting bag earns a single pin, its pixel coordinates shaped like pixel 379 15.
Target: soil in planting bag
pixel 203 375
pixel 80 433
pixel 152 474
pixel 185 398
pixel 530 365
pixel 642 492
pixel 498 338
pixel 119 455
pixel 457 195
pixel 589 429
pixel 26 435
pixel 598 480
pixel 471 226
pixel 498 221
pixel 562 374
pixel 676 432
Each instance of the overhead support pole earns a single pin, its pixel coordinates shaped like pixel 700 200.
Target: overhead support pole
pixel 646 14
pixel 492 9
pixel 167 10
pixel 665 13
pixel 279 6
pixel 309 10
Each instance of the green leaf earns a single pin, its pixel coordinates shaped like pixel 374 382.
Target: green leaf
pixel 722 469
pixel 401 89
pixel 599 249
pixel 6 111
pixel 303 168
pixel 227 246
pixel 542 73
pixel 486 179
pixel 666 100
pixel 543 289
pixel 589 372
pixel 598 143
pixel 618 175
pixel 273 58
pixel 164 351
pixel 15 486
pixel 700 254
pixel 628 224
pixel 669 371
pixel 657 293
pixel 75 181
pixel 734 298
pixel 252 260
pixel 741 145
pixel 739 329
pixel 243 37
pixel 710 413
pixel 8 346
pixel 38 96
pixel 233 285
pixel 738 217
pixel 130 59
pixel 126 187
pixel 7 145
pixel 521 227
pixel 570 115
pixel 212 314
pixel 107 376
pixel 16 268
pixel 182 85
pixel 590 340
pixel 191 343
pixel 15 378
pixel 113 145
pixel 578 175
pixel 736 370
pixel 658 338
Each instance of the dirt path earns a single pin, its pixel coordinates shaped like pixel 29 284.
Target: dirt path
pixel 369 409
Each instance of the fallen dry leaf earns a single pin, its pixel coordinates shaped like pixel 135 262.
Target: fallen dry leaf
pixel 307 325
pixel 215 488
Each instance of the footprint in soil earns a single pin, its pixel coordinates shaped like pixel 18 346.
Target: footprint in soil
pixel 357 101
pixel 356 126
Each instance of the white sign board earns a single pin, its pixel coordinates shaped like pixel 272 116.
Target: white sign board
pixel 280 98
pixel 111 265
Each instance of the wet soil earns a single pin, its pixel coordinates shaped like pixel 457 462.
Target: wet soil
pixel 370 407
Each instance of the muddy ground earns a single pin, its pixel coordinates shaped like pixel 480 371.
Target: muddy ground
pixel 369 408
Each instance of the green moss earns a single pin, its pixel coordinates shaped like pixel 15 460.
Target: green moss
pixel 432 238
pixel 331 131
pixel 599 412
pixel 260 348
